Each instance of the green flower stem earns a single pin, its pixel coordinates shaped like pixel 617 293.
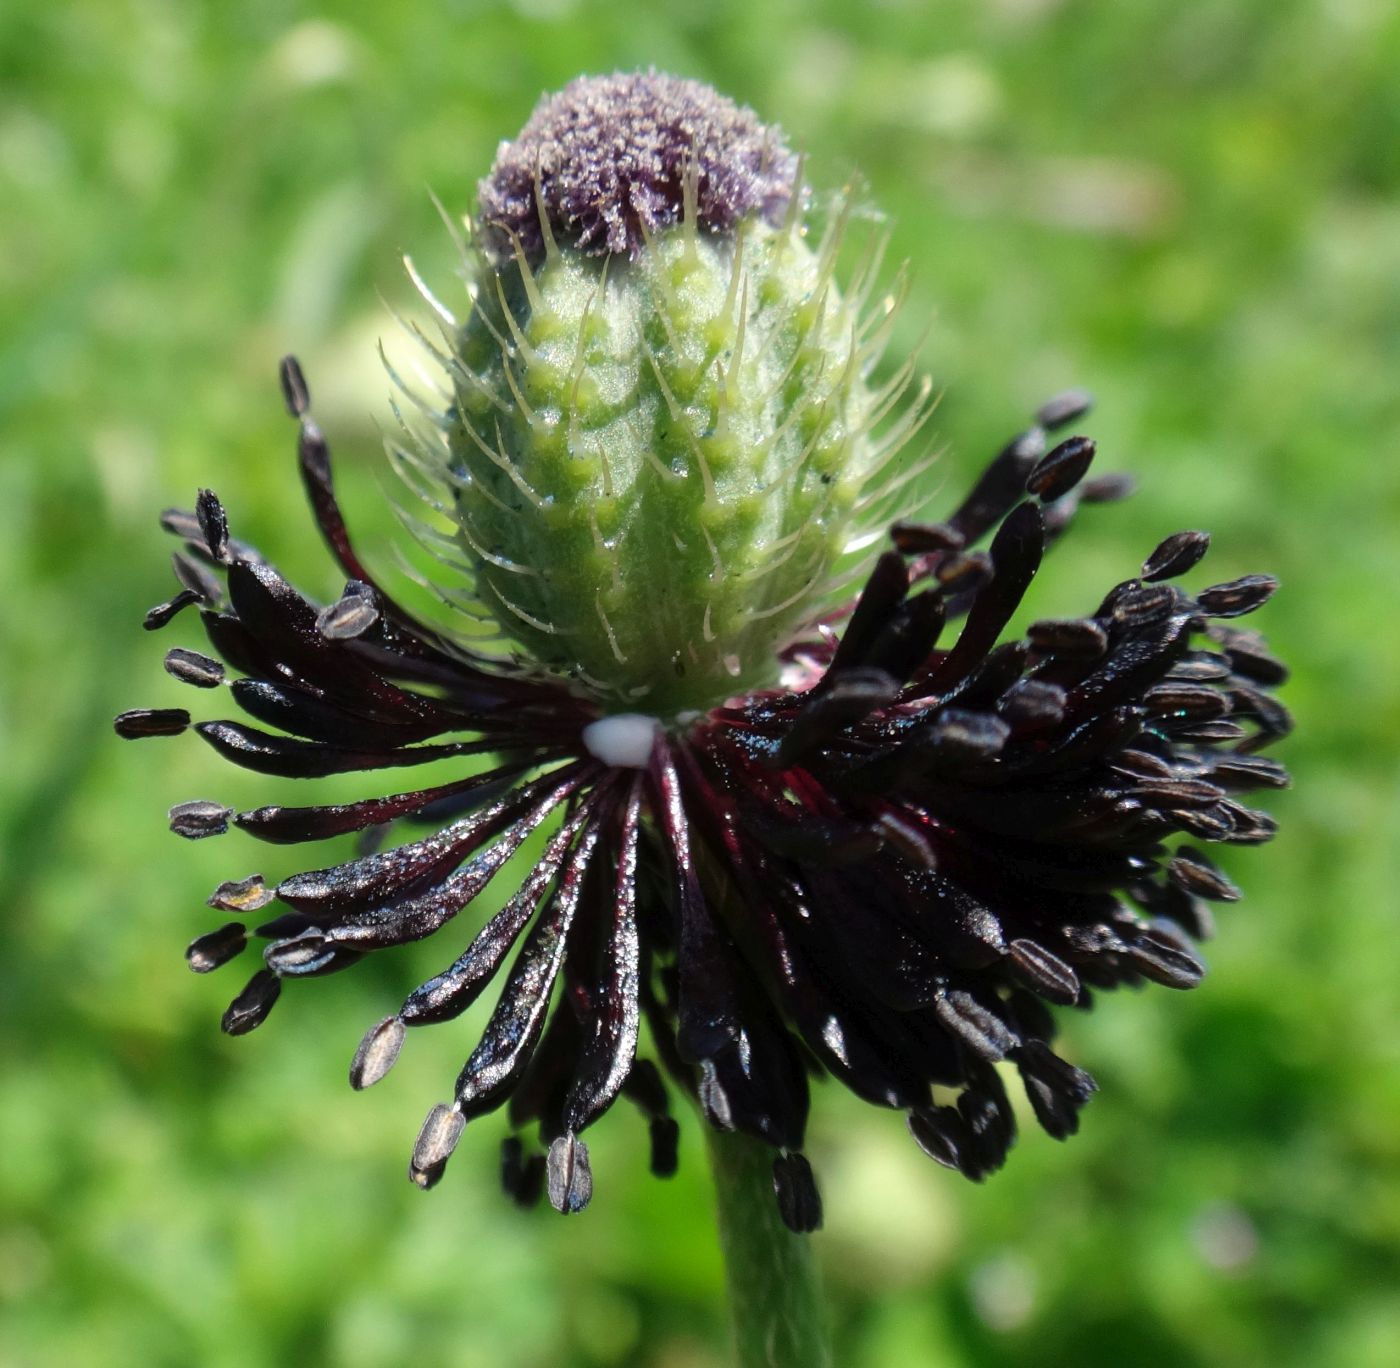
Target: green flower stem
pixel 774 1293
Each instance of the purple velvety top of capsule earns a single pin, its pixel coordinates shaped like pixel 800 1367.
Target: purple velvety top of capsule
pixel 611 155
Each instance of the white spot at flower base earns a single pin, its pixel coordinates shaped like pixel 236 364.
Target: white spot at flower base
pixel 623 741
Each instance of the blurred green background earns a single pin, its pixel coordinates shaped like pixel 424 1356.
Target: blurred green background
pixel 1192 209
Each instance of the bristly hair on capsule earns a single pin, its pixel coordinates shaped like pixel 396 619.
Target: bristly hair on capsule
pixel 697 408
pixel 554 539
pixel 781 840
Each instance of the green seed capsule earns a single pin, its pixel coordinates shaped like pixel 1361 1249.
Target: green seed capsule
pixel 661 422
pixel 656 458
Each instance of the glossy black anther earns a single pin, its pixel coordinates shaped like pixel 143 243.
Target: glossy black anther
pixel 378 1052
pixel 940 1133
pixel 1196 874
pixel 199 818
pixel 1072 638
pixel 190 667
pixel 1176 793
pixel 351 615
pixel 958 737
pixel 1272 718
pixel 1249 656
pixel 1237 597
pixel 568 1175
pixel 241 895
pixel 1064 467
pixel 1145 604
pixel 136 723
pixel 977 1026
pixel 436 1140
pixel 251 1007
pixel 1200 667
pixel 921 539
pixel 1209 733
pixel 1244 773
pixel 1198 702
pixel 214 948
pixel 1043 972
pixel 1163 954
pixel 1141 765
pixel 1175 555
pixel 213 523
pixel 1032 704
pixel 294 391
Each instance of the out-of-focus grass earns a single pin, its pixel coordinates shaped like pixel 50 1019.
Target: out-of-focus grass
pixel 1191 208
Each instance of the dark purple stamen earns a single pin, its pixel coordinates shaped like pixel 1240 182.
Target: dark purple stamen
pixel 888 877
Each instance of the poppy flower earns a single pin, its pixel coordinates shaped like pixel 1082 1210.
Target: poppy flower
pixel 780 835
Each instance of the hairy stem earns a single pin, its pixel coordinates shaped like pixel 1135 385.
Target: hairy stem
pixel 774 1294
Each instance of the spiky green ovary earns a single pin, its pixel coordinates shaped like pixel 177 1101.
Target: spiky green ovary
pixel 655 462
